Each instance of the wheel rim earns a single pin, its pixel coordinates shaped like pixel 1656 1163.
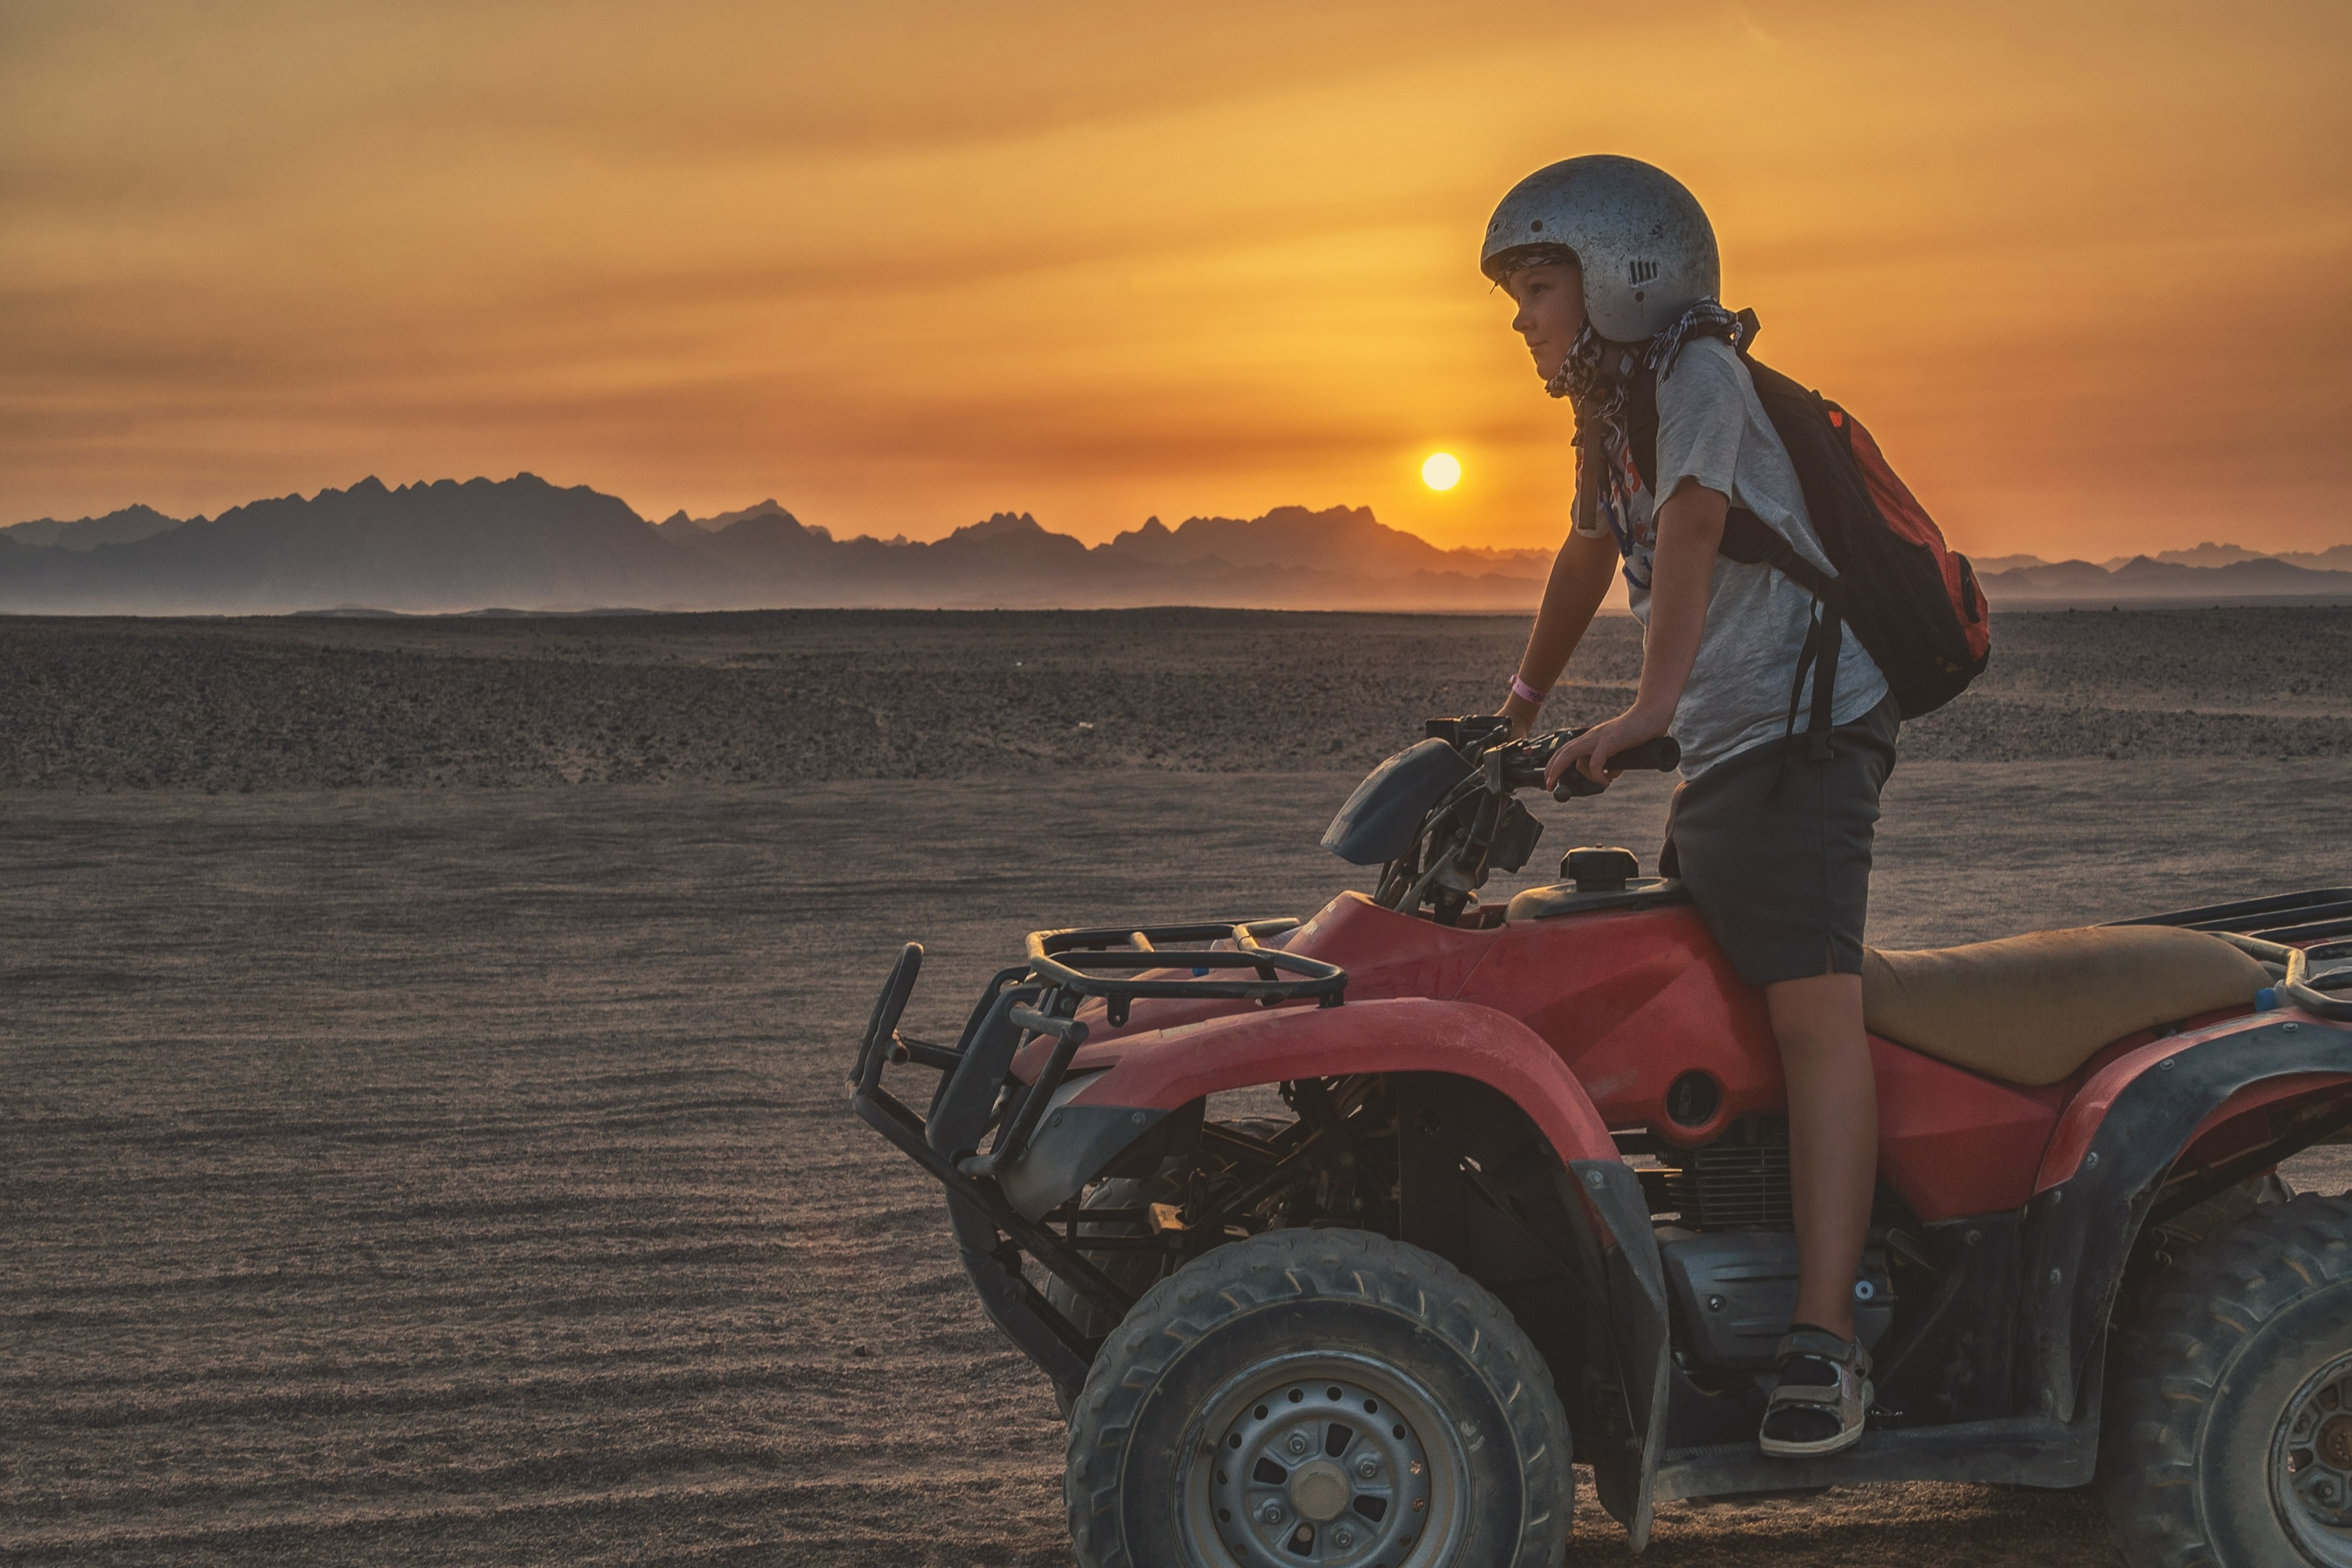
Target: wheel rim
pixel 1320 1459
pixel 2311 1465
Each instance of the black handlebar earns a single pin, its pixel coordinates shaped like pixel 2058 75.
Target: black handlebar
pixel 1470 823
pixel 1521 765
pixel 1661 755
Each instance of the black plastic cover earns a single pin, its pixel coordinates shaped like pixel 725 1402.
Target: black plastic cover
pixel 1380 820
pixel 1515 837
pixel 1737 1292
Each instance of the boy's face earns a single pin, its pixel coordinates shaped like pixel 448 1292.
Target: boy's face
pixel 1552 311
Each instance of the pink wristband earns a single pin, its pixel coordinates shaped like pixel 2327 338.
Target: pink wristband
pixel 1526 693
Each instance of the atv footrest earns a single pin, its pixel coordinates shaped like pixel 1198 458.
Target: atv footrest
pixel 2017 1453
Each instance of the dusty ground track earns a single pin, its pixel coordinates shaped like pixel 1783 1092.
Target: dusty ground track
pixel 463 1175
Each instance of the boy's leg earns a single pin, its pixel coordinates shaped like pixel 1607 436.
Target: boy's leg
pixel 1775 850
pixel 1832 1138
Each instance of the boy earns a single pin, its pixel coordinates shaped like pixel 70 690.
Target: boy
pixel 1613 270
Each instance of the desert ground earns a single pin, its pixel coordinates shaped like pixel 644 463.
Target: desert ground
pixel 422 1039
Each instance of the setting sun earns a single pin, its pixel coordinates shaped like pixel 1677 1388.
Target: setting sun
pixel 1441 471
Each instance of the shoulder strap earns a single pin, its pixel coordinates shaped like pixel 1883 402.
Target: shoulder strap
pixel 1746 538
pixel 1749 540
pixel 1819 656
pixel 1642 426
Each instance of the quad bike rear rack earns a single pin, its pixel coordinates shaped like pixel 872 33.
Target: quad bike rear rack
pixel 2291 930
pixel 978 1092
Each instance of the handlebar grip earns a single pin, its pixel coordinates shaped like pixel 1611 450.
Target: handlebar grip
pixel 1661 755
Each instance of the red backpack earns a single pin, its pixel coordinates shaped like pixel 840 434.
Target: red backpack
pixel 1910 597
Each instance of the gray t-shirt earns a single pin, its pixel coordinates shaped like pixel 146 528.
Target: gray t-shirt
pixel 1711 429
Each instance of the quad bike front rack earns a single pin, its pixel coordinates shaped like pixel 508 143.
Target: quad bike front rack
pixel 1067 967
pixel 978 1092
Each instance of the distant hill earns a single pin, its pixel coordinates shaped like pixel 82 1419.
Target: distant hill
pixel 2212 574
pixel 128 526
pixel 523 544
pixel 2337 559
pixel 1292 538
pixel 444 545
pixel 1341 558
pixel 677 525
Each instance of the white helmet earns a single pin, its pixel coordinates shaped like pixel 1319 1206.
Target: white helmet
pixel 1646 249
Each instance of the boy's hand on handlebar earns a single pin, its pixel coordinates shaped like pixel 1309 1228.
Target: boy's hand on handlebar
pixel 1589 753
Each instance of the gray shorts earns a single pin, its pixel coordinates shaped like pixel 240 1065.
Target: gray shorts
pixel 1774 847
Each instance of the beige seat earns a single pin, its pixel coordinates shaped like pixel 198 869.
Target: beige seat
pixel 2032 1009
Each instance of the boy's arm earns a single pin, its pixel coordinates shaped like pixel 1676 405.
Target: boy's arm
pixel 1690 531
pixel 1580 580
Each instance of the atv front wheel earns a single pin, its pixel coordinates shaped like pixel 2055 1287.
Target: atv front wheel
pixel 1319 1396
pixel 2229 1432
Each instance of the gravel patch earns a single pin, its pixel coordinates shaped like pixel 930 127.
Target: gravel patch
pixel 800 696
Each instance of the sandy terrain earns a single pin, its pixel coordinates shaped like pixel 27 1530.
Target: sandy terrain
pixel 790 695
pixel 462 1174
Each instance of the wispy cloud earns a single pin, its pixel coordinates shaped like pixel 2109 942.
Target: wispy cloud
pixel 902 263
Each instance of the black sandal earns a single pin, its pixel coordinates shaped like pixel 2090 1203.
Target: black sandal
pixel 1822 1398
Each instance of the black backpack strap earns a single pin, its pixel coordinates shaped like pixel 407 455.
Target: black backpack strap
pixel 1746 538
pixel 1749 540
pixel 1821 656
pixel 1641 426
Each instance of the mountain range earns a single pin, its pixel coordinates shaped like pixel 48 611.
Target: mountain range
pixel 2210 572
pixel 523 543
pixel 527 544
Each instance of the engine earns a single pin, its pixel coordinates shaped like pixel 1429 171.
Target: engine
pixel 1730 1254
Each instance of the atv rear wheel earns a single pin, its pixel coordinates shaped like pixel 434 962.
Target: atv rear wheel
pixel 2228 1439
pixel 1319 1396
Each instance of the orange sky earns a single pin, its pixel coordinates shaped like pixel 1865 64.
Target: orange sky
pixel 2083 268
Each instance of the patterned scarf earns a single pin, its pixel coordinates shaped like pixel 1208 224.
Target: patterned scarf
pixel 1597 378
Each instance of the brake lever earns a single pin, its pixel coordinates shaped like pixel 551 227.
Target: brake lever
pixel 1517 765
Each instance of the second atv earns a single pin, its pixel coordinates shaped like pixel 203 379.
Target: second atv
pixel 1524 1201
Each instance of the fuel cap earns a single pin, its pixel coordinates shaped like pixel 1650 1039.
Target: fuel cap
pixel 1597 870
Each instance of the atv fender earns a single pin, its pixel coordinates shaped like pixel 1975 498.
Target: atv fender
pixel 1156 1073
pixel 1072 1146
pixel 1120 1091
pixel 2120 1138
pixel 1172 1067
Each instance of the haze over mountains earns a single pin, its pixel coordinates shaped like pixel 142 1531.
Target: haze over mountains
pixel 125 527
pixel 2211 573
pixel 525 544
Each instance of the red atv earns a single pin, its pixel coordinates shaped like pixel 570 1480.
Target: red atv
pixel 1529 1205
